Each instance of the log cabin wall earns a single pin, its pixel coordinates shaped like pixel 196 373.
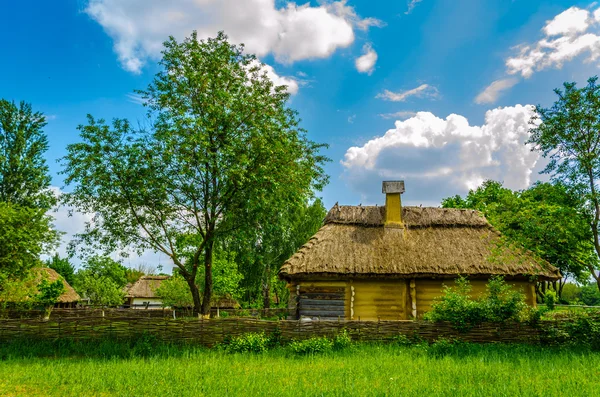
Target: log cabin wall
pixel 381 300
pixel 325 300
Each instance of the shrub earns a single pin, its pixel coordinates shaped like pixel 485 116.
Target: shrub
pixel 500 303
pixel 313 345
pixel 144 345
pixel 342 341
pixel 248 343
pixel 576 328
pixel 441 347
pixel 550 299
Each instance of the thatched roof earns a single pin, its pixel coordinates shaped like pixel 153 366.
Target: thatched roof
pixel 69 295
pixel 436 242
pixel 145 287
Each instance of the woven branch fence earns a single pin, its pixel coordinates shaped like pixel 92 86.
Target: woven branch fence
pixel 211 332
pixel 140 313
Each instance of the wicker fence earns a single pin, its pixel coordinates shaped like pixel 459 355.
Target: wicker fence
pixel 211 332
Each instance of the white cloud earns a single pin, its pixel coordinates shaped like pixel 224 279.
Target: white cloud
pixel 366 62
pixel 422 91
pixel 403 114
pixel 442 157
pixel 491 93
pixel 351 119
pixel 411 5
pixel 290 33
pixel 569 34
pixel 572 21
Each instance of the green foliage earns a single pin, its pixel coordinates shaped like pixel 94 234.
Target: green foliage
pixel 102 281
pixel 550 299
pixel 545 219
pixel 17 292
pixel 101 291
pixel 144 345
pixel 342 341
pixel 586 294
pixel 49 292
pixel 104 267
pixel 574 328
pixel 314 345
pixel 175 292
pixel 590 295
pixel 226 276
pixel 252 342
pixel 500 303
pixel 63 267
pixel 222 149
pixel 24 175
pixel 25 234
pixel 567 133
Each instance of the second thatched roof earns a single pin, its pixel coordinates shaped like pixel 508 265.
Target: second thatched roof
pixel 436 242
pixel 145 287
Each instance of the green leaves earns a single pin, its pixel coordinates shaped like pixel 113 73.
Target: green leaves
pixel 221 149
pixel 24 176
pixel 568 133
pixel 25 234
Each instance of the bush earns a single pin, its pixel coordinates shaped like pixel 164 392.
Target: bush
pixel 248 343
pixel 575 328
pixel 342 341
pixel 144 345
pixel 500 303
pixel 313 345
pixel 550 299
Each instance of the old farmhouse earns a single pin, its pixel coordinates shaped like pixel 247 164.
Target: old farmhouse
pixel 390 262
pixel 142 294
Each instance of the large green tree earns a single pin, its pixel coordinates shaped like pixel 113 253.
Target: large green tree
pixel 24 175
pixel 545 219
pixel 568 133
pixel 222 149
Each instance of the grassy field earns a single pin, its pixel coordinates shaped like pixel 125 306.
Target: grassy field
pixel 365 370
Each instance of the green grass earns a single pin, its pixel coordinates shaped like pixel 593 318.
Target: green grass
pixel 47 369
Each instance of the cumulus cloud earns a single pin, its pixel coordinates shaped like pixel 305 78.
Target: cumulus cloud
pixel 491 93
pixel 569 34
pixel 290 33
pixel 422 91
pixel 366 62
pixel 443 157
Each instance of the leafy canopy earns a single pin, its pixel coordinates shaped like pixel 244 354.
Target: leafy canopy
pixel 568 133
pixel 24 175
pixel 223 147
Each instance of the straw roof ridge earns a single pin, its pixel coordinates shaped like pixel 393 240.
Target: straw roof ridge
pixel 145 287
pixel 413 217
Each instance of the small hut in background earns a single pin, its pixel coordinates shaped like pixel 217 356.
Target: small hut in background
pixel 142 294
pixel 69 298
pixel 391 262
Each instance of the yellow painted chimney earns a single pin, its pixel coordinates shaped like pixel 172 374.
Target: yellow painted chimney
pixel 393 203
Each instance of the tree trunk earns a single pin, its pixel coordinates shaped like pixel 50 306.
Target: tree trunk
pixel 195 293
pixel 208 280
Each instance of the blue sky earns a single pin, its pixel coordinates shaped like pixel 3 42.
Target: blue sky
pixel 414 107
